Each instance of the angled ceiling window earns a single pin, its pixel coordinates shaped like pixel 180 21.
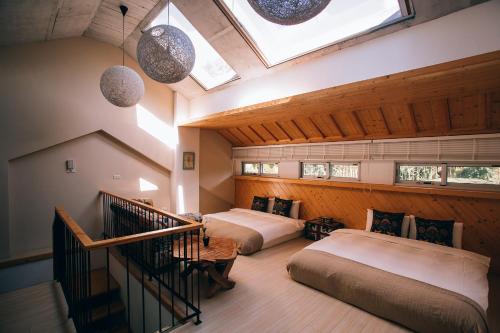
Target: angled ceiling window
pixel 210 70
pixel 340 20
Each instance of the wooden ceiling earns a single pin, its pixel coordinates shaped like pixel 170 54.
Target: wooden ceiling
pixel 454 98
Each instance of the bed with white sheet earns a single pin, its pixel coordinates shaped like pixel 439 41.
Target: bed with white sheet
pixel 252 230
pixel 425 287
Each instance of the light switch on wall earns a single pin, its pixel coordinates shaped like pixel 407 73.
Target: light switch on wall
pixel 116 177
pixel 70 166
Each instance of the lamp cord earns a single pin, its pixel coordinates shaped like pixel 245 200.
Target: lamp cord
pixel 123 40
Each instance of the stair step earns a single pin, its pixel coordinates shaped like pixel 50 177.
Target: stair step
pixel 122 329
pixel 101 312
pixel 99 283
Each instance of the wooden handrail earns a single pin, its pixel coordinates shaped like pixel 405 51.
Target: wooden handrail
pixel 75 229
pixel 90 244
pixel 151 208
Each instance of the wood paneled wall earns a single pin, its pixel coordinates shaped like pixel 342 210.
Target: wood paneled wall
pixel 480 213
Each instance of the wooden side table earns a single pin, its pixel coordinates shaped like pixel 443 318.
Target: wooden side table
pixel 216 259
pixel 319 228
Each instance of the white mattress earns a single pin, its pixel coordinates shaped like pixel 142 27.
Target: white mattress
pixel 449 268
pixel 274 229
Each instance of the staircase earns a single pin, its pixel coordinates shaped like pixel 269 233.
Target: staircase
pixel 116 322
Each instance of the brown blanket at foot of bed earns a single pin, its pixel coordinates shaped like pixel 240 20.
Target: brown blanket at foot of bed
pixel 414 304
pixel 248 240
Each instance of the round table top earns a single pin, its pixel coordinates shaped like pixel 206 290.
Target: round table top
pixel 218 249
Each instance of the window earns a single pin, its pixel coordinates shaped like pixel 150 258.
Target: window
pixel 340 20
pixel 259 169
pixel 473 174
pixel 251 168
pixel 314 170
pixel 210 70
pixel 452 174
pixel 330 170
pixel 344 170
pixel 419 173
pixel 269 169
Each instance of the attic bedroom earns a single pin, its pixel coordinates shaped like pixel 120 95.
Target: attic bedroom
pixel 250 166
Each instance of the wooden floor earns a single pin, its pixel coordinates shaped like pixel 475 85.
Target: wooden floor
pixel 40 308
pixel 266 299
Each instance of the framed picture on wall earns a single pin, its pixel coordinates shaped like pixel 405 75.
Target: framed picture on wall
pixel 188 160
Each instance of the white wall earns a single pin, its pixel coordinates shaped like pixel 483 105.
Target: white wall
pixel 465 33
pixel 38 182
pixel 185 185
pixel 216 173
pixel 49 95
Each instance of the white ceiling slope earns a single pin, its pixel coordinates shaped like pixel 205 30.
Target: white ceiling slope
pixel 24 21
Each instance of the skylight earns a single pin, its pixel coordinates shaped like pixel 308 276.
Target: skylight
pixel 210 70
pixel 340 20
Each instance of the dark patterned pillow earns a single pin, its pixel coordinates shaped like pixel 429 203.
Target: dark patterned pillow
pixel 387 223
pixel 260 203
pixel 282 207
pixel 434 231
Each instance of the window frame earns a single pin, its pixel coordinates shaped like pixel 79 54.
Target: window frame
pixel 301 166
pixel 260 174
pixel 243 173
pixel 273 175
pixel 444 177
pixel 471 185
pixel 344 179
pixel 328 171
pixel 397 181
pixel 406 7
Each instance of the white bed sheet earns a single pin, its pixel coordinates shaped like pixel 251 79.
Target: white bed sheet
pixel 457 270
pixel 272 227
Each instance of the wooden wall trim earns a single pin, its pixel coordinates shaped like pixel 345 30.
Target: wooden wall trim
pixel 26 259
pixel 491 195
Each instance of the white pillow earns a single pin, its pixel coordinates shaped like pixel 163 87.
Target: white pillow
pixel 294 211
pixel 270 205
pixel 404 227
pixel 458 230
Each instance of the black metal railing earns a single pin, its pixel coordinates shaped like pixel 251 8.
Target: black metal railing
pixel 157 251
pixel 72 270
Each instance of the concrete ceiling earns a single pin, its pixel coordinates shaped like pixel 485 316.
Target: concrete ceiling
pixel 24 21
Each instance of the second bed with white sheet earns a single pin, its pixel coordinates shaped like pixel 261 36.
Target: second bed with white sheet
pixel 425 287
pixel 252 230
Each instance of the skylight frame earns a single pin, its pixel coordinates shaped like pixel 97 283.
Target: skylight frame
pixel 192 75
pixel 406 8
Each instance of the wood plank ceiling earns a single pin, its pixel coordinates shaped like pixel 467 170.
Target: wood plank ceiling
pixel 459 97
pixel 26 21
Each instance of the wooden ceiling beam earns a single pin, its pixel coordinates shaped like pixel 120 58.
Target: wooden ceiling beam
pixel 447 115
pixel 240 136
pixel 413 121
pixel 386 126
pixel 299 129
pixel 358 124
pixel 323 135
pixel 270 132
pixel 230 137
pixel 337 127
pixel 256 133
pixel 283 130
pixel 246 136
